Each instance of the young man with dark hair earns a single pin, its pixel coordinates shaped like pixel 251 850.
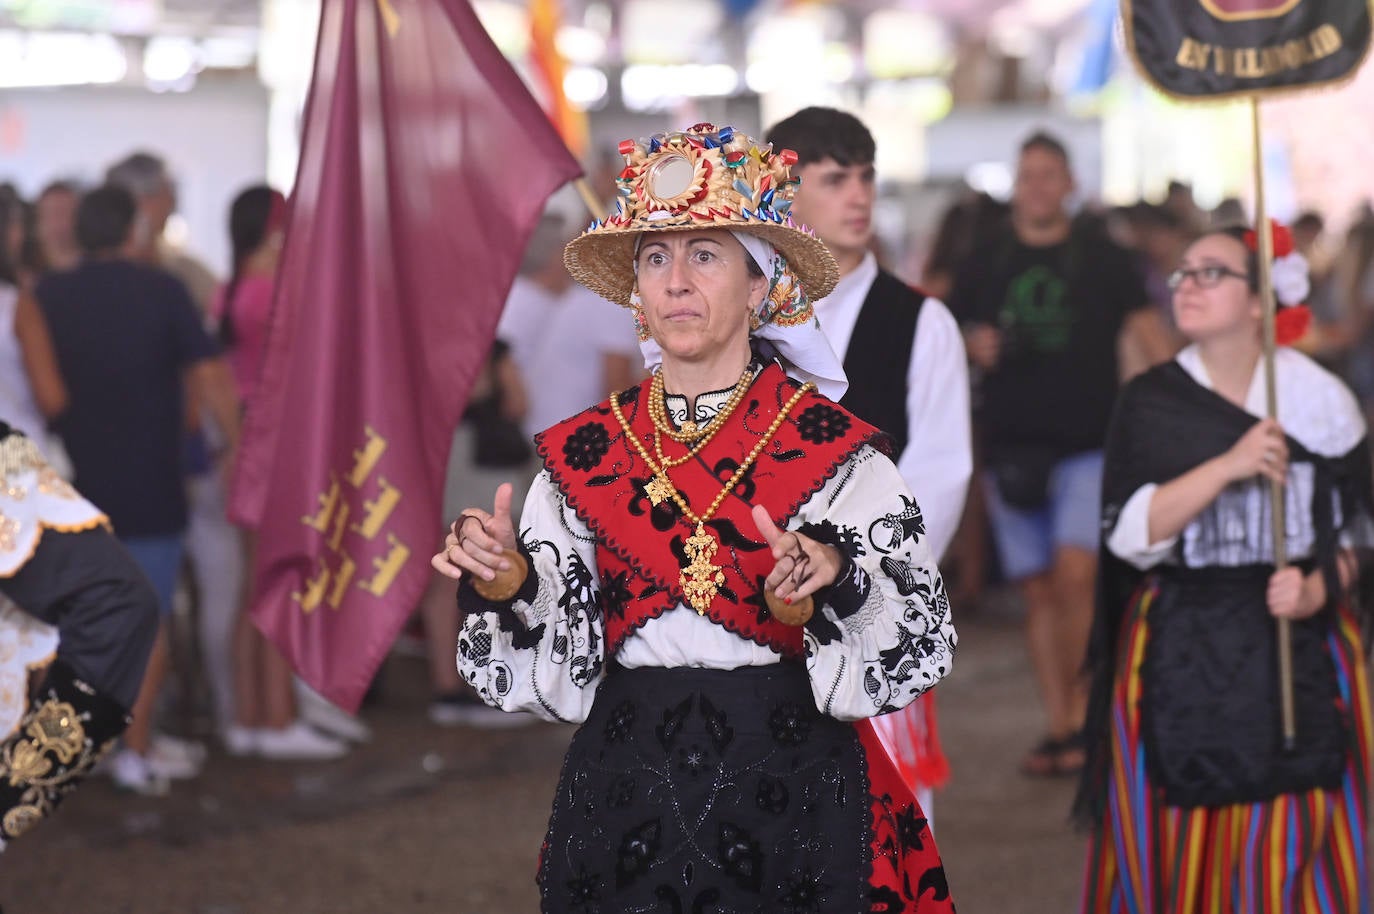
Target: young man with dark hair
pixel 129 341
pixel 1046 306
pixel 902 350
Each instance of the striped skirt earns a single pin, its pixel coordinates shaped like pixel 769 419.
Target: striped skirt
pixel 1296 853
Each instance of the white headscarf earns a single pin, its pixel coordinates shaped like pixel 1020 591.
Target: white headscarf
pixel 785 319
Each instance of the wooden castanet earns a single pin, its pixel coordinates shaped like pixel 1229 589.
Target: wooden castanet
pixel 507 583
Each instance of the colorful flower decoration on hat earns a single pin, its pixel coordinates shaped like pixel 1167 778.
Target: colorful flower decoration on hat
pixel 670 176
pixel 1289 276
pixel 705 177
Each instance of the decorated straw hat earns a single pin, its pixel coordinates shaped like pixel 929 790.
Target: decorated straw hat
pixel 701 178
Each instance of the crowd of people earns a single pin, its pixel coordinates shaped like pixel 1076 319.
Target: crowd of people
pixel 129 363
pixel 1070 404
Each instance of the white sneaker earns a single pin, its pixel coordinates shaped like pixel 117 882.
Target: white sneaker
pixel 131 771
pixel 320 713
pixel 177 759
pixel 299 742
pixel 240 741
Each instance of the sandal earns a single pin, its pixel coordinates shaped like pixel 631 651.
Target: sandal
pixel 1072 756
pixel 1056 757
pixel 1040 762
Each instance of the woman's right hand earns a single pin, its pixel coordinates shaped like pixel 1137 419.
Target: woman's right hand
pixel 476 540
pixel 1262 451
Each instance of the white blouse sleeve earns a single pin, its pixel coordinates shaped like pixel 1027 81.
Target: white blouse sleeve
pixel 1130 538
pixel 883 634
pixel 543 652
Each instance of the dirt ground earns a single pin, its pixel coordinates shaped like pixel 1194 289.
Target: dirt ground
pixel 424 819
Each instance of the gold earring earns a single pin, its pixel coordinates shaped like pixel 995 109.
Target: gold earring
pixel 755 322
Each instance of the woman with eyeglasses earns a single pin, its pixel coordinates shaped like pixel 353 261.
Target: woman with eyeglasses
pixel 1194 802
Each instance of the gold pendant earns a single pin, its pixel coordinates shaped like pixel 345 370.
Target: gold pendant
pixel 689 427
pixel 700 579
pixel 659 489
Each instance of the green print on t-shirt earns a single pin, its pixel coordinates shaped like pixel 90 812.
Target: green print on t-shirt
pixel 1036 315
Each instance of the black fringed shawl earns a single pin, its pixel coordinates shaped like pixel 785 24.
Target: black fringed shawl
pixel 1164 425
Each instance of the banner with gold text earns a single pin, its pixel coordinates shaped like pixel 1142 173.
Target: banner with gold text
pixel 1206 49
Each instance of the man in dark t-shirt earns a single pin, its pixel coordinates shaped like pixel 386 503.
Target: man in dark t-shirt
pixel 128 341
pixel 1044 308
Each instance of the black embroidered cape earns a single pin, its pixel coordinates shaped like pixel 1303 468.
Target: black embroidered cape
pixel 1165 424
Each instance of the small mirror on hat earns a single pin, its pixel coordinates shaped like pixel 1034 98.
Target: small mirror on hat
pixel 670 177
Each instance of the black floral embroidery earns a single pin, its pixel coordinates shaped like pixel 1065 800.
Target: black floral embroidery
pixel 910 829
pixel 663 515
pixel 841 537
pixel 934 880
pixel 622 722
pixel 888 532
pixel 577 585
pixel 615 593
pixel 822 424
pixel 621 793
pixel 700 813
pixel 717 725
pixel 587 445
pixel 693 759
pixel 772 795
pixel 789 724
pixel 637 852
pixel 804 893
pixel 741 856
pixel 757 600
pixel 884 899
pixel 726 467
pixel 584 891
pixel 673 720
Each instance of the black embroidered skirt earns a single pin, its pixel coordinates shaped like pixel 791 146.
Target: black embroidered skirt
pixel 706 790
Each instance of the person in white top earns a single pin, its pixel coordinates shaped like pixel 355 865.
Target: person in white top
pixel 572 347
pixel 718 574
pixel 31 387
pixel 903 354
pixel 1184 731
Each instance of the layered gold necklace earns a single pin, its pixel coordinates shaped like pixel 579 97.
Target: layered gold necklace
pixel 659 488
pixel 701 578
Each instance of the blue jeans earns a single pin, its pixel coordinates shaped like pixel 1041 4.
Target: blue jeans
pixel 1027 539
pixel 160 559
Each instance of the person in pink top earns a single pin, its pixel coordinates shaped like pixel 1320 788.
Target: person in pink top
pixel 266 720
pixel 243 306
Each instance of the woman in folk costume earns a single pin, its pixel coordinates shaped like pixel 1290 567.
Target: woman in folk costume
pixel 73 602
pixel 718 572
pixel 1196 805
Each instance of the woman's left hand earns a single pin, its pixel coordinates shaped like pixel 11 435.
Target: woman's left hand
pixel 802 566
pixel 1291 594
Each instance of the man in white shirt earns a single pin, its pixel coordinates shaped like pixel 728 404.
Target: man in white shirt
pixel 872 316
pixel 903 354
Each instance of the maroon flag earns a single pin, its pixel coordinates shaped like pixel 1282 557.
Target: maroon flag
pixel 424 166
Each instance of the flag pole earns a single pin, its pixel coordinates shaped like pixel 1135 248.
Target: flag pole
pixel 1265 234
pixel 589 199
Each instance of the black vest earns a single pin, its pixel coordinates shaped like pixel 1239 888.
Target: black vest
pixel 879 356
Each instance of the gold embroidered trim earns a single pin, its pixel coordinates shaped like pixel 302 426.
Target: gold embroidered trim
pixel 17 454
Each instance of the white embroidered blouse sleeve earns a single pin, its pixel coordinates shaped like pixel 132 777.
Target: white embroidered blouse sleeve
pixel 883 634
pixel 1130 538
pixel 543 651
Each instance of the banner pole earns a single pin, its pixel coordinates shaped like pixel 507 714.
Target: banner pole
pixel 589 200
pixel 1264 232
